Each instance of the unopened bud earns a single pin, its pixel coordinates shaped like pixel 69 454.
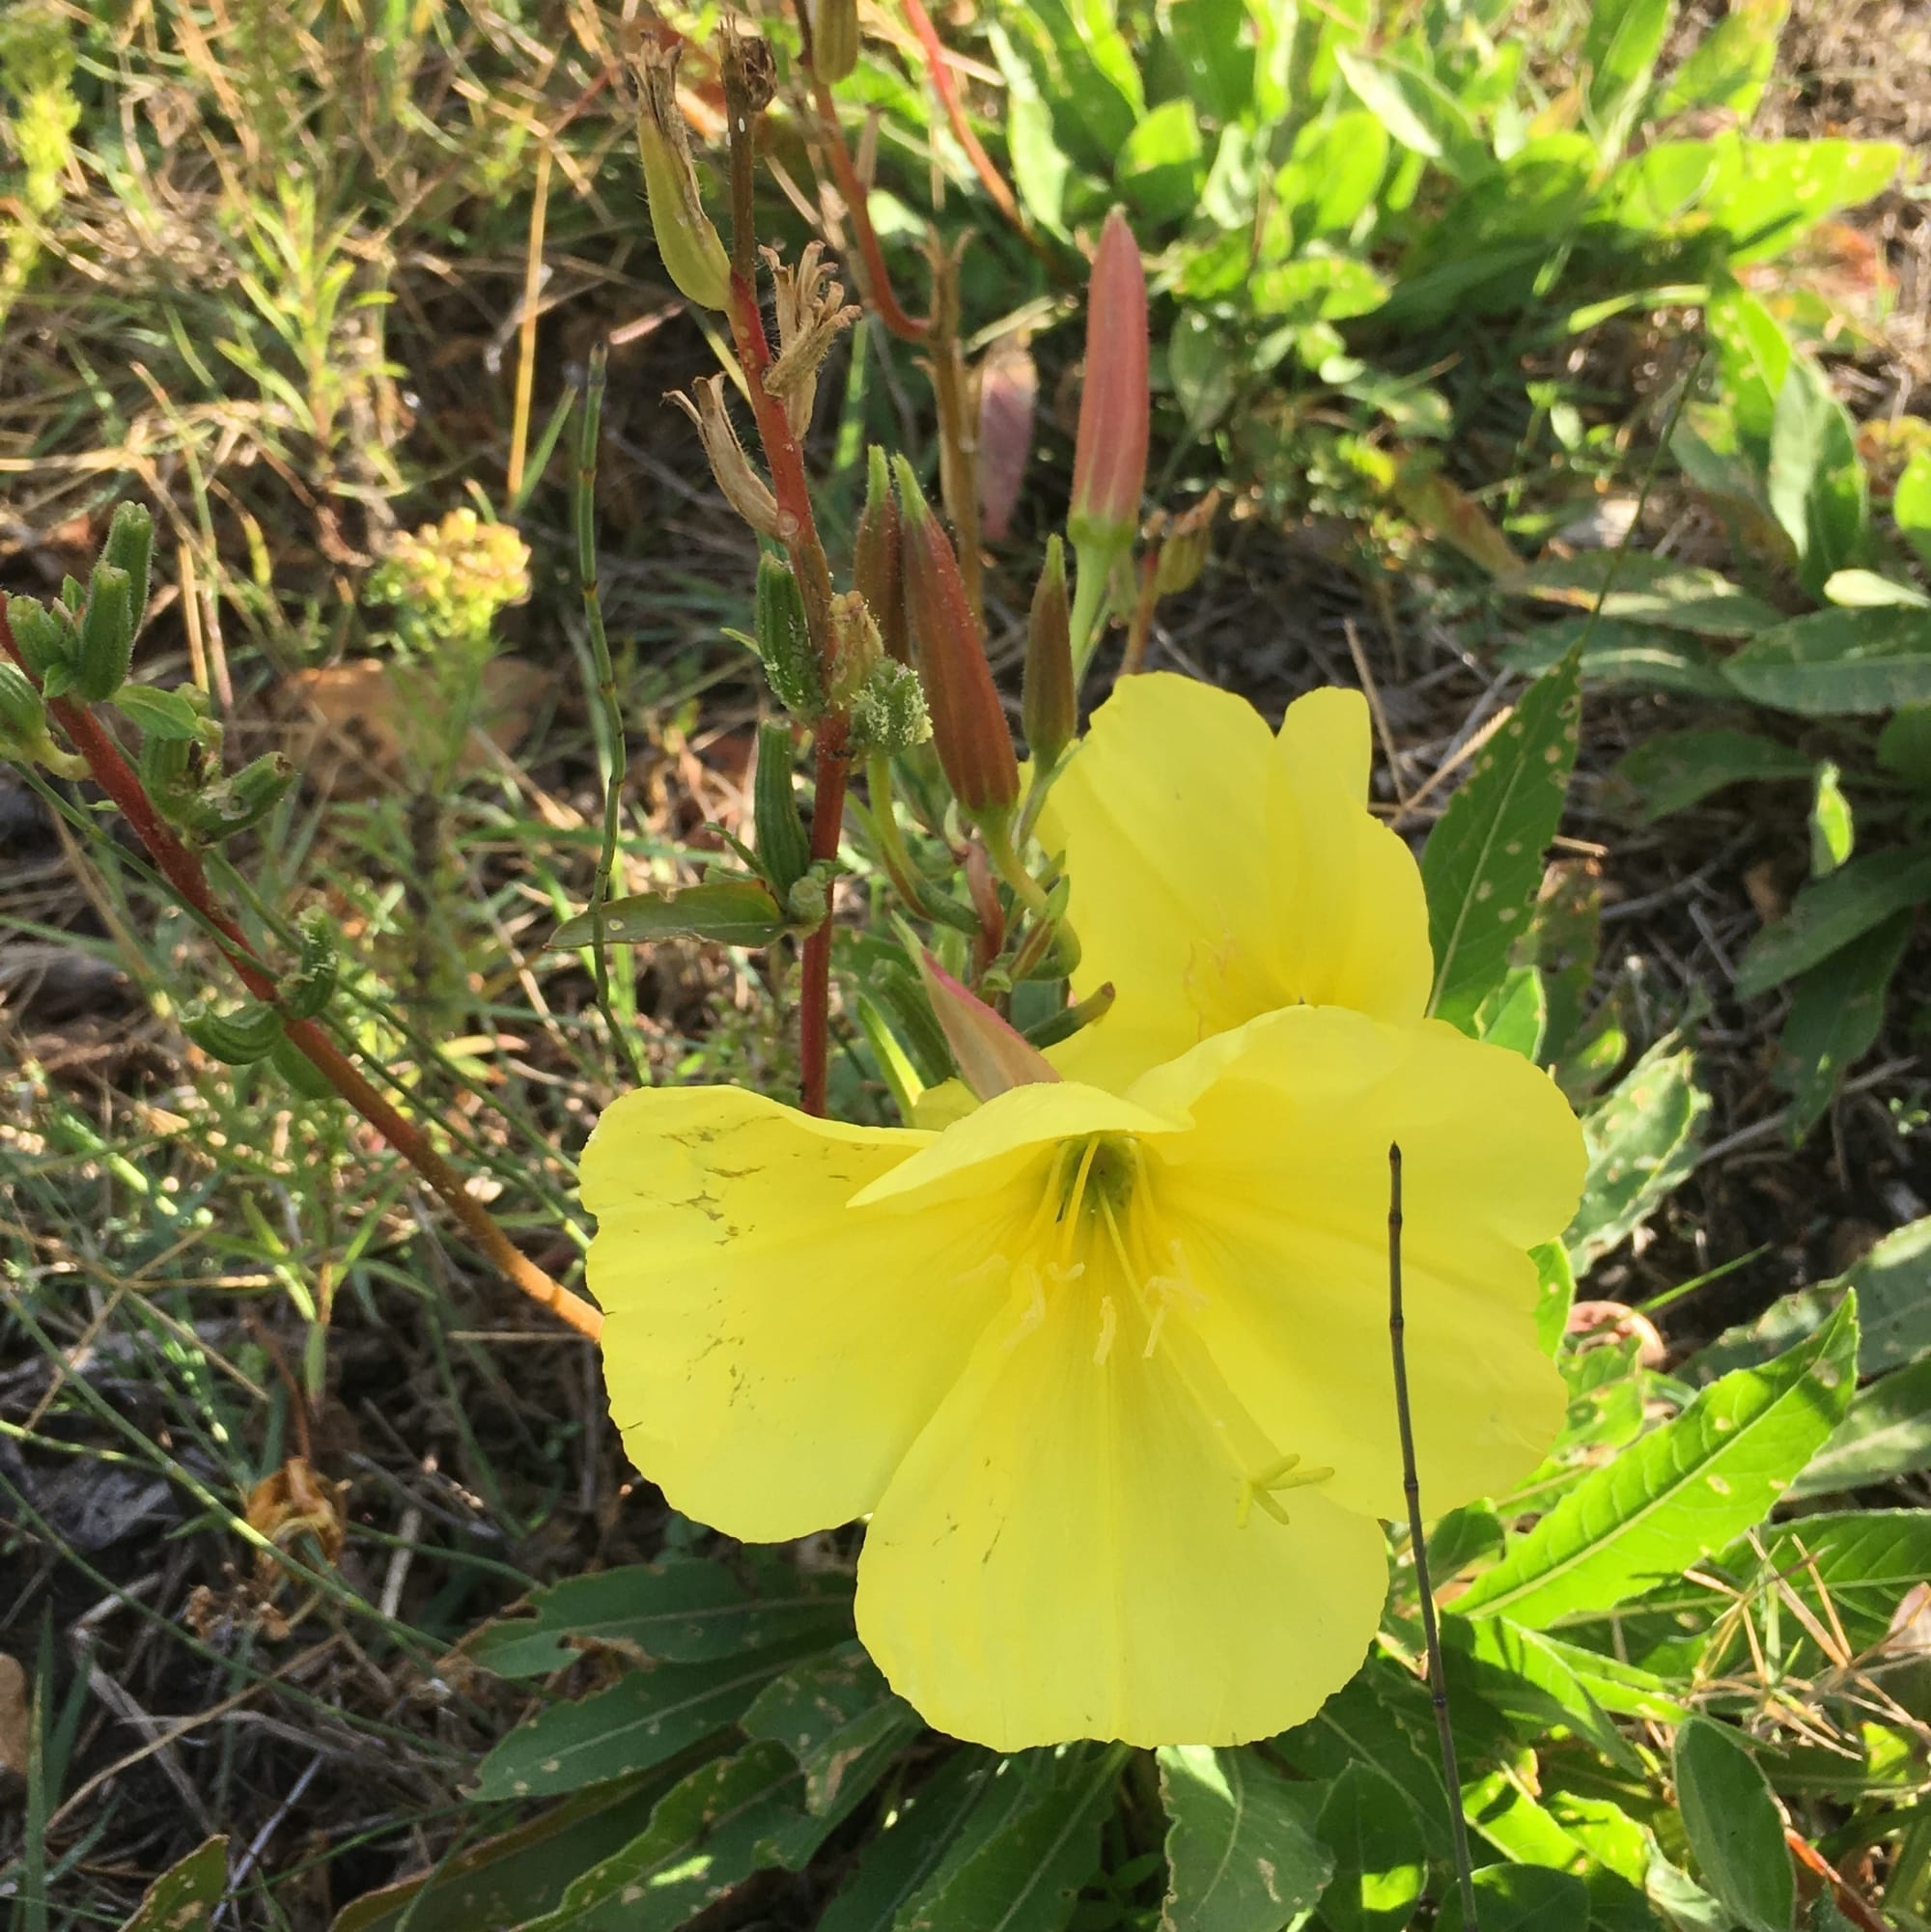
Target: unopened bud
pixel 307 989
pixel 783 849
pixel 1184 550
pixel 1049 701
pixel 694 255
pixel 44 637
pixel 744 490
pixel 23 726
pixel 783 641
pixel 130 547
pixel 236 803
pixel 236 1039
pixel 834 38
pixel 1110 455
pixel 876 573
pixel 994 1055
pixel 106 643
pixel 969 726
pixel 889 714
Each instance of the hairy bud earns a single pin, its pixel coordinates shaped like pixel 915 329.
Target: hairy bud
pixel 783 641
pixel 1049 702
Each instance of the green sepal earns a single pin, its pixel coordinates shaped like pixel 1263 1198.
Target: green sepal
pixel 236 803
pixel 130 548
pixel 783 641
pixel 307 989
pixel 784 850
pixel 44 637
pixel 300 1070
pixel 236 1039
pixel 106 644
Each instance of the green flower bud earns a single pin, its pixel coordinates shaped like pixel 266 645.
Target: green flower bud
pixel 44 637
pixel 1050 698
pixel 130 547
pixel 306 990
pixel 783 641
pixel 889 714
pixel 834 38
pixel 106 646
pixel 236 803
pixel 694 255
pixel 300 1070
pixel 236 1039
pixel 783 850
pixel 876 573
pixel 23 725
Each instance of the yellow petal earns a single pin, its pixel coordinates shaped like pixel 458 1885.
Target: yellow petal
pixel 1063 1555
pixel 1281 1196
pixel 770 1352
pixel 1218 872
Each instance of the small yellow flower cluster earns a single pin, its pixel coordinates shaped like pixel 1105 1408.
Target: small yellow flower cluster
pixel 454 576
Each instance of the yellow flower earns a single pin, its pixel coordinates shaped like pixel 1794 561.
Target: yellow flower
pixel 1220 870
pixel 1107 1372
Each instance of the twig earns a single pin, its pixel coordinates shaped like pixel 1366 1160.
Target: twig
pixel 1411 1483
pixel 939 67
pixel 852 192
pixel 585 516
pixel 183 873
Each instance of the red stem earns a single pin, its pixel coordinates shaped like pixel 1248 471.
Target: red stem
pixel 857 203
pixel 830 756
pixel 939 65
pixel 182 871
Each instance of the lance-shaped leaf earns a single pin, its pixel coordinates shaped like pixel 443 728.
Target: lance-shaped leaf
pixel 1733 1826
pixel 727 911
pixel 1242 1850
pixel 1682 1491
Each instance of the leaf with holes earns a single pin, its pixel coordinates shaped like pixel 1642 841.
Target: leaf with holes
pixel 1241 1854
pixel 1680 1492
pixel 840 1719
pixel 1838 663
pixel 1643 1142
pixel 1482 868
pixel 184 1898
pixel 1521 1898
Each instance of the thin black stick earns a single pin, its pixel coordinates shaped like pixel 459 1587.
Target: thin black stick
pixel 1411 1484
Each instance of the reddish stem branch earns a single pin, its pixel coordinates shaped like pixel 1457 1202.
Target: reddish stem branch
pixel 938 65
pixel 858 206
pixel 182 871
pixel 832 764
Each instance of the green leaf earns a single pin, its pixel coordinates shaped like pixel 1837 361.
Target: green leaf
pixel 1870 590
pixel 681 1611
pixel 1317 287
pixel 1815 482
pixel 1031 1843
pixel 184 1898
pixel 1642 656
pixel 1241 1854
pixel 643 1720
pixel 1215 52
pixel 1357 1726
pixel 516 1876
pixel 1555 1295
pixel 727 911
pixel 1676 769
pixel 1160 172
pixel 1828 913
pixel 1521 1898
pixel 1904 747
pixel 1637 587
pixel 839 1719
pixel 1040 169
pixel 916 1839
pixel 1642 1139
pixel 1911 504
pixel 1885 1434
pixel 707 1834
pixel 1729 66
pixel 1482 867
pixel 1836 664
pixel 1836 1011
pixel 159 714
pixel 1680 1492
pixel 1618 52
pixel 1380 1856
pixel 1892 1284
pixel 1733 1825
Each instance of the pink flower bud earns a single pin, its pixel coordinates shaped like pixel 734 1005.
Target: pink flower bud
pixel 1109 460
pixel 969 731
pixel 993 1057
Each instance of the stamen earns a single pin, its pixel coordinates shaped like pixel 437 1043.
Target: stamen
pixel 1109 1323
pixel 1034 1312
pixel 1069 1229
pixel 980 1270
pixel 1154 1326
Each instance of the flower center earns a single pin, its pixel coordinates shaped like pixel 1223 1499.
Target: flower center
pixel 1098 1224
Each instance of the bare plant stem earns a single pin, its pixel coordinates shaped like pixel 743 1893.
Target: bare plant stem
pixel 939 67
pixel 1411 1484
pixel 879 292
pixel 585 518
pixel 183 873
